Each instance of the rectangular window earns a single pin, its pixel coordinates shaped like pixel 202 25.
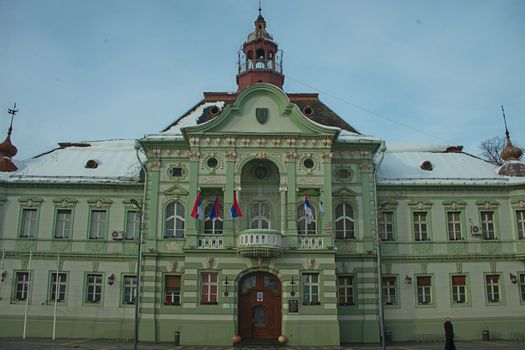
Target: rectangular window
pixel 345 286
pixel 487 224
pixel 22 285
pixel 29 223
pixel 97 226
pixel 386 225
pixel 58 286
pixel 424 290
pixel 389 290
pixel 129 292
pixel 493 290
pixel 209 288
pixel 520 222
pixel 420 226
pixel 93 288
pixel 459 289
pixel 172 290
pixel 522 286
pixel 63 223
pixel 454 225
pixel 310 288
pixel 132 224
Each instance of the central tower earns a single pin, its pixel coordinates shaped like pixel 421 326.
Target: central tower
pixel 260 60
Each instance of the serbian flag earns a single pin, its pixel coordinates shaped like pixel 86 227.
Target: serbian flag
pixel 197 207
pixel 214 212
pixel 235 211
pixel 308 210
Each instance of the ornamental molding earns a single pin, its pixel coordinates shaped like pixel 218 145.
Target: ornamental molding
pixel 518 204
pixel 231 156
pixel 309 180
pixel 99 203
pixel 208 155
pixel 327 156
pixel 487 204
pixel 420 205
pixel 291 156
pixel 155 165
pixel 184 171
pixel 194 156
pixel 65 202
pixel 212 179
pixel 32 202
pixel 263 155
pixel 387 205
pixel 454 205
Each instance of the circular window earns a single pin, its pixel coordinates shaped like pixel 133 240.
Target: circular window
pixel 214 110
pixel 212 162
pixel 260 172
pixel 308 163
pixel 308 111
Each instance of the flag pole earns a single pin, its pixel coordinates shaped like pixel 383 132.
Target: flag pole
pixel 57 282
pixel 27 294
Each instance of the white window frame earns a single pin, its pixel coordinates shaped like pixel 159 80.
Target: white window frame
pixel 420 220
pixel 493 288
pixel 487 224
pixel 94 288
pixel 29 224
pixel 63 223
pixel 208 295
pixel 58 285
pixel 454 225
pixel 459 291
pixel 424 292
pixel 389 298
pixel 129 291
pixel 311 288
pixel 172 219
pixel 347 232
pixel 260 219
pixel 385 223
pixel 98 223
pixel 345 287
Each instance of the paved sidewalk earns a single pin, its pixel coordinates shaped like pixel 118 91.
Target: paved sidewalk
pixel 106 344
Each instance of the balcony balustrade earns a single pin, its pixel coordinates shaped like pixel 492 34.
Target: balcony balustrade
pixel 309 242
pixel 260 243
pixel 210 242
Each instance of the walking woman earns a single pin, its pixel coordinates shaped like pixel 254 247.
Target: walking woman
pixel 449 335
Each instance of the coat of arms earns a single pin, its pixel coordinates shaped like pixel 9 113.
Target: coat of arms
pixel 261 114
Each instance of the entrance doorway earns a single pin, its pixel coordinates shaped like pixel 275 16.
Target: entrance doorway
pixel 259 306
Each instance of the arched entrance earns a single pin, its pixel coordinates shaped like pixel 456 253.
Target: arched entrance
pixel 259 306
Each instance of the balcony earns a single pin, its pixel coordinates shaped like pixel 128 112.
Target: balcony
pixel 260 243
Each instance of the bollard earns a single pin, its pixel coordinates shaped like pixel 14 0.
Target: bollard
pixel 485 335
pixel 177 337
pixel 388 336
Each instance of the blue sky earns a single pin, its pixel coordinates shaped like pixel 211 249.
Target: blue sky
pixel 406 71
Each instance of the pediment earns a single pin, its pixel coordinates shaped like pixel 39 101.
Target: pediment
pixel 176 190
pixel 261 109
pixel 344 192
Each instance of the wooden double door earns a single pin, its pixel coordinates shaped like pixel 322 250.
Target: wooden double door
pixel 259 306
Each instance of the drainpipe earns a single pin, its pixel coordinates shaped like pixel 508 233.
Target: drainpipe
pixel 382 149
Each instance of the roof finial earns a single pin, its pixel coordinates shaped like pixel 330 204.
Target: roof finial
pixel 260 8
pixel 507 134
pixel 11 111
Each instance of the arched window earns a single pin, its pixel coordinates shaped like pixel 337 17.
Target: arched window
pixel 212 226
pixel 174 224
pixel 344 222
pixel 303 227
pixel 259 215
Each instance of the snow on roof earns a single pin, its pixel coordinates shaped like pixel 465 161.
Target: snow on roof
pixel 402 164
pixel 189 118
pixel 346 136
pixel 116 162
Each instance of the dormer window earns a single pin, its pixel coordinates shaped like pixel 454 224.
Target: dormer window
pixel 91 164
pixel 426 165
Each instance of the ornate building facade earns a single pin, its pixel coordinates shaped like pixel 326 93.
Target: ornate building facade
pixel 261 214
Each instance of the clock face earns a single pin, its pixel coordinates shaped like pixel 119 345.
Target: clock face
pixel 260 172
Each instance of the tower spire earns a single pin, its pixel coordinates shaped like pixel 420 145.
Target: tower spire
pixel 509 152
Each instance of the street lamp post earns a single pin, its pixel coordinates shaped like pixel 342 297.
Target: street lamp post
pixel 139 256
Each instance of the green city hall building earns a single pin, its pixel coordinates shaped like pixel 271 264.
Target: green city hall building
pixel 261 214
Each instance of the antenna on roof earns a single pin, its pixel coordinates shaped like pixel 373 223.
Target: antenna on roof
pixel 505 121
